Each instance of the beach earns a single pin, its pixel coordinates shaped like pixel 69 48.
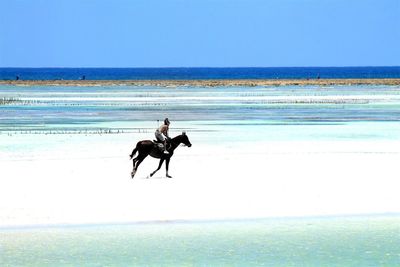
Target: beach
pixel 264 159
pixel 88 182
pixel 257 152
pixel 284 129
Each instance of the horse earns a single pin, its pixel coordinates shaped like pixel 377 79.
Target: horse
pixel 148 147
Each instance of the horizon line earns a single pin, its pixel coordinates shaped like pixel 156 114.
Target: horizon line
pixel 205 67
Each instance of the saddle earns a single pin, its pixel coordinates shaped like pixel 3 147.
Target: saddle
pixel 160 144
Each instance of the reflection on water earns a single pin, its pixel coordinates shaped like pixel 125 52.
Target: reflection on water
pixel 340 241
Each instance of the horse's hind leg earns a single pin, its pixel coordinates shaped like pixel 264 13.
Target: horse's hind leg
pixel 134 169
pixel 136 163
pixel 159 166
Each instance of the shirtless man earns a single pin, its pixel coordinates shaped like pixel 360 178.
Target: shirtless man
pixel 162 134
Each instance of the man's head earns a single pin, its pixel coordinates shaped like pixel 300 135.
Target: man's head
pixel 166 121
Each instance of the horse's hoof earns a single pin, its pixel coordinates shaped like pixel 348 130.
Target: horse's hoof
pixel 168 176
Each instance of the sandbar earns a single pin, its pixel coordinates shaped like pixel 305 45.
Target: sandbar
pixel 205 83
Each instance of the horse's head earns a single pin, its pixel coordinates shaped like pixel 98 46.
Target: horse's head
pixel 185 140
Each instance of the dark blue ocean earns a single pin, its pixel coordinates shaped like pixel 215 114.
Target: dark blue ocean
pixel 198 73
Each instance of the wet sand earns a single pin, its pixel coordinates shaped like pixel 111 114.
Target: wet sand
pixel 204 83
pixel 62 163
pixel 60 179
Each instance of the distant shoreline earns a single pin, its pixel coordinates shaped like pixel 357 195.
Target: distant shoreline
pixel 204 83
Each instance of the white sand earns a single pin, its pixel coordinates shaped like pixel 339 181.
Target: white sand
pixel 79 179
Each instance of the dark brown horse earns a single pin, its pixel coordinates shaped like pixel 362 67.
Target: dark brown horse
pixel 147 147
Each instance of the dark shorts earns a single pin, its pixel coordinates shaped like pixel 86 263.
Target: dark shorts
pixel 159 136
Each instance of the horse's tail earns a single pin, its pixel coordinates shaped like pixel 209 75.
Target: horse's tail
pixel 134 151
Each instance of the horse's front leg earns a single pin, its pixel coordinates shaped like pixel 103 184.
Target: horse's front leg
pixel 159 166
pixel 166 167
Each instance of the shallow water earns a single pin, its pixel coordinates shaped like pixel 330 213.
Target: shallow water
pixel 40 122
pixel 330 241
pixel 36 108
pixel 219 115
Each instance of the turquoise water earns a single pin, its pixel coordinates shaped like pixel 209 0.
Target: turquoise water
pixel 220 114
pixel 211 115
pixel 341 241
pixel 59 107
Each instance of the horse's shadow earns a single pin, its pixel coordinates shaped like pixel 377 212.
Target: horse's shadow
pixel 148 177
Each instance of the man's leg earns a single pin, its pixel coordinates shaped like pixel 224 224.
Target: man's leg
pixel 165 147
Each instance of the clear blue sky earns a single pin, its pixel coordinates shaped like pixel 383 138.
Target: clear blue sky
pixel 195 33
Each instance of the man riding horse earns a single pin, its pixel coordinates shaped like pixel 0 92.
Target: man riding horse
pixel 162 135
pixel 148 148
